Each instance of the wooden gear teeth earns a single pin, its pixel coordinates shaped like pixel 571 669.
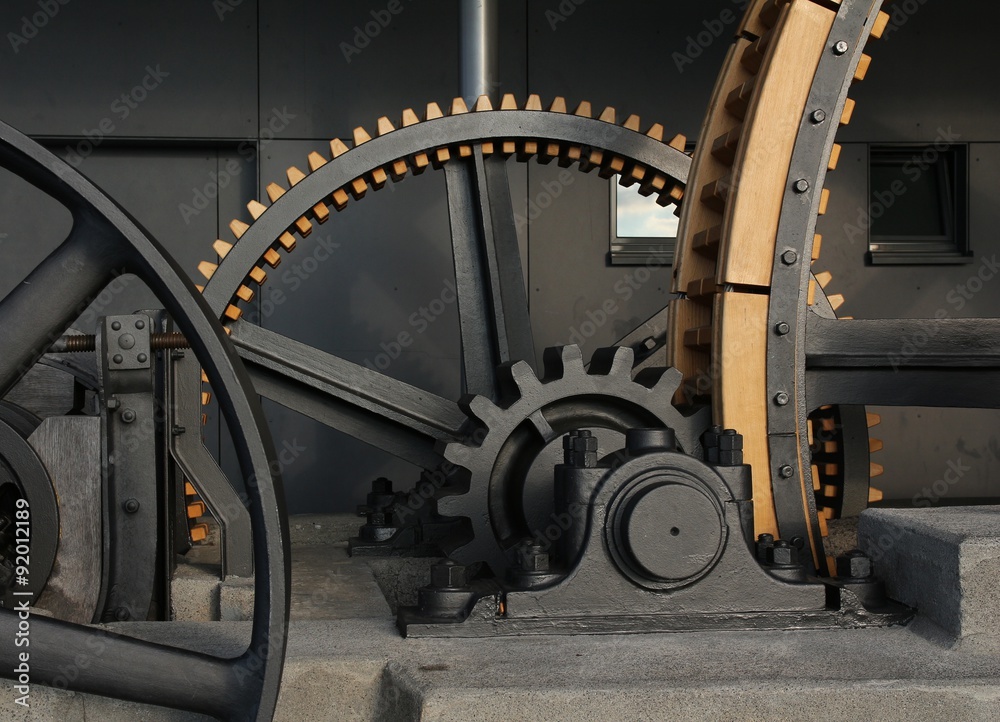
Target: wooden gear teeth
pixel 664 189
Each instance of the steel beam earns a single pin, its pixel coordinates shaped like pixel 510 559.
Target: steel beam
pixel 492 301
pixel 374 408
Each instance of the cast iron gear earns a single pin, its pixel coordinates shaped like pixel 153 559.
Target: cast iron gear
pixel 504 441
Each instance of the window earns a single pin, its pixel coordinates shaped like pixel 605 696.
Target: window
pixel 642 231
pixel 918 204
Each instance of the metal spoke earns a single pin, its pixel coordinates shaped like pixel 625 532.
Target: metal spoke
pixel 492 302
pixel 895 343
pixel 392 415
pixel 903 362
pixel 95 661
pixel 74 274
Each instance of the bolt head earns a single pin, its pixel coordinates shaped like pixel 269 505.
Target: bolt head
pixel 116 326
pixel 140 324
pixel 801 185
pixel 580 449
pixel 789 258
pixel 142 358
pixel 841 47
pixel 131 505
pixel 786 472
pixel 782 329
pixel 855 565
pixel 818 116
pixel 449 575
pixel 781 398
pixel 128 416
pixel 783 554
pixel 122 614
pixel 118 358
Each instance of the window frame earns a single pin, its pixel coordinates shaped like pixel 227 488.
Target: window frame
pixel 952 247
pixel 636 250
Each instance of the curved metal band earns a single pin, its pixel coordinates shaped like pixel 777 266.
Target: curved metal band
pixel 788 442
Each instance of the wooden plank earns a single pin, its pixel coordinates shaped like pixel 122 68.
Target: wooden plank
pixel 754 208
pixel 739 352
pixel 70 448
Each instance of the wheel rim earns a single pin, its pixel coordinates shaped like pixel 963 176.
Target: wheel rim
pixel 104 240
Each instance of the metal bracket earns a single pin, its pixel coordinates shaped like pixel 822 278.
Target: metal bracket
pixel 129 431
pixel 183 428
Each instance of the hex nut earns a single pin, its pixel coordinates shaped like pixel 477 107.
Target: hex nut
pixel 449 575
pixel 783 554
pixel 855 565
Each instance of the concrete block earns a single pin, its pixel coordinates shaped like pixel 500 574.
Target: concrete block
pixel 194 599
pixel 236 600
pixel 945 562
pixel 44 704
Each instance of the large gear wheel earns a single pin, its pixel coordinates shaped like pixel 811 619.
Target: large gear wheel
pixel 510 437
pixel 747 252
pixel 471 147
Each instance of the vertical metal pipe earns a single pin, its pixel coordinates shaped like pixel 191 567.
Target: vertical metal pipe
pixel 478 49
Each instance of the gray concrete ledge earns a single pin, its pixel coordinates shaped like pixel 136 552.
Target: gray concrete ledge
pixel 346 661
pixel 945 562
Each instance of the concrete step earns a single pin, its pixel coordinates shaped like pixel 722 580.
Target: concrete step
pixel 346 661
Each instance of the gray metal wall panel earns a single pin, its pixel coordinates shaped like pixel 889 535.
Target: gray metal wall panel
pixel 393 257
pixel 656 59
pixel 575 296
pixel 933 69
pixel 32 225
pixel 69 76
pixel 319 60
pixel 133 177
pixel 904 291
